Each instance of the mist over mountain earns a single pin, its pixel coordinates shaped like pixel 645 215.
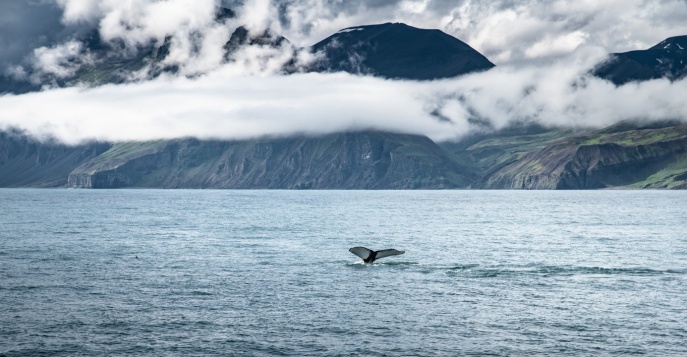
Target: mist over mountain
pixel 92 54
pixel 394 51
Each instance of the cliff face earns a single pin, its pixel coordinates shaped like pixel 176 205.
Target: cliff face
pixel 620 156
pixel 25 162
pixel 640 158
pixel 366 160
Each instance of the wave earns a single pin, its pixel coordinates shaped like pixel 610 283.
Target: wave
pixel 489 271
pixel 476 270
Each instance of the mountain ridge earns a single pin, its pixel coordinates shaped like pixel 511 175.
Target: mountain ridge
pixel 396 50
pixel 628 154
pixel 667 59
pixel 358 160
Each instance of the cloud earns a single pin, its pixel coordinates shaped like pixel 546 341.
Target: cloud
pixel 229 104
pixel 196 38
pixel 544 50
pixel 32 31
pixel 76 11
pixel 60 61
pixel 25 26
pixel 222 105
pixel 506 31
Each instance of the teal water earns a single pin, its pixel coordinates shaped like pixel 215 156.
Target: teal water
pixel 264 273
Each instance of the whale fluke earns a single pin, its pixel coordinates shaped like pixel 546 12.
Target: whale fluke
pixel 369 256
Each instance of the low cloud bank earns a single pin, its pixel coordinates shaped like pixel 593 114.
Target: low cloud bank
pixel 229 104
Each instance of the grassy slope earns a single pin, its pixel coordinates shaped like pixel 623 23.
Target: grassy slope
pixel 309 158
pixel 488 153
pixel 119 154
pixel 354 160
pixel 527 161
pixel 672 176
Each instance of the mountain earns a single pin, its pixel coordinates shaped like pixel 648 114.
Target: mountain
pixel 396 50
pixel 667 59
pixel 623 155
pixel 361 160
pixel 630 155
pixel 109 63
pixel 357 160
pixel 242 37
pixel 387 50
pixel 522 156
pixel 27 162
pixel 106 62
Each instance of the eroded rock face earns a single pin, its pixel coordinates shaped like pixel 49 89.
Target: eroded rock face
pixel 620 156
pixel 367 160
pixel 597 161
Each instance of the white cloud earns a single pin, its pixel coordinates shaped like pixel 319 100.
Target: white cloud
pixel 506 31
pixel 414 6
pixel 60 61
pixel 230 104
pixel 76 11
pixel 562 45
pixel 258 15
pixel 543 53
pixel 197 39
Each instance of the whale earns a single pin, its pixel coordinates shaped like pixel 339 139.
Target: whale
pixel 369 255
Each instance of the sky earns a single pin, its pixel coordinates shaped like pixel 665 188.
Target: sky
pixel 543 50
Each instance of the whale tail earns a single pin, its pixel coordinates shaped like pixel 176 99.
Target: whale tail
pixel 369 256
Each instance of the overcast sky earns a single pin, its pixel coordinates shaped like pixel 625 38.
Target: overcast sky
pixel 543 49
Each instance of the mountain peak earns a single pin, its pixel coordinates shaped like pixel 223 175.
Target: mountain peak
pixel 397 50
pixel 677 43
pixel 668 59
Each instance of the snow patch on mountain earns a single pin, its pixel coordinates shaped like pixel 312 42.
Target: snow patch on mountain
pixel 351 29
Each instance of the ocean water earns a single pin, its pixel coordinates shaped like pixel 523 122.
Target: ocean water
pixel 268 273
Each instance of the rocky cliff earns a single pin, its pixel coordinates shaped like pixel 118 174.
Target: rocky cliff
pixel 363 160
pixel 655 158
pixel 624 155
pixel 26 162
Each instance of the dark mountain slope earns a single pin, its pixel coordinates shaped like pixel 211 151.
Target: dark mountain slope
pixel 398 51
pixel 623 155
pixel 668 60
pixel 241 37
pixel 26 162
pixel 363 160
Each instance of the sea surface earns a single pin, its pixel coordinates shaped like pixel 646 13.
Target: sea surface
pixel 268 273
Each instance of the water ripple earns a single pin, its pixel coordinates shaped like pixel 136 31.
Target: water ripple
pixel 264 273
